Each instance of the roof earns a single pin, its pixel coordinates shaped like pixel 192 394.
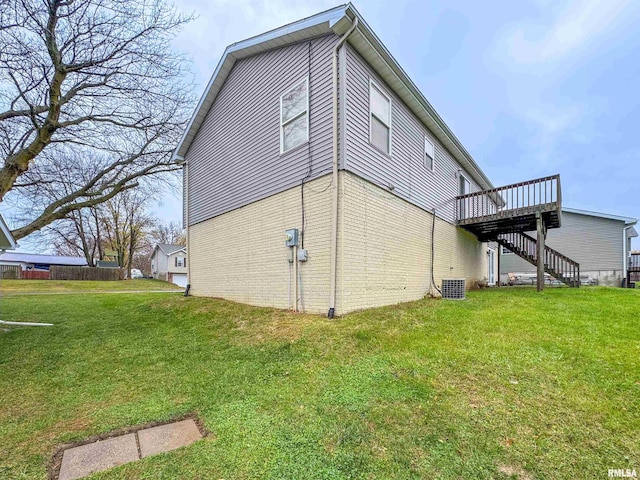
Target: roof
pixel 42 259
pixel 367 44
pixel 107 264
pixel 170 249
pixel 7 241
pixel 626 220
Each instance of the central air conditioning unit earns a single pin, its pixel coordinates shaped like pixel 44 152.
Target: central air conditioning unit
pixel 453 288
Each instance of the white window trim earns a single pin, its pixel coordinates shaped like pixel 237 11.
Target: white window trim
pixel 463 175
pixel 433 159
pixel 373 83
pixel 305 111
pixel 496 274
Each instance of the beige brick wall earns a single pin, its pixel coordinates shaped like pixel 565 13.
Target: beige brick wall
pixel 241 255
pixel 387 249
pixel 384 249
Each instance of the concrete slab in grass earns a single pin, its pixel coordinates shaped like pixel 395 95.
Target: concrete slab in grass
pixel 167 437
pixel 81 461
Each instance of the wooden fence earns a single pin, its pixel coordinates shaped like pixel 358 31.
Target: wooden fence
pixel 9 271
pixel 85 273
pixel 34 275
pixel 14 272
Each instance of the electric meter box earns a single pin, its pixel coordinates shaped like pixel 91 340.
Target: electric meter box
pixel 291 237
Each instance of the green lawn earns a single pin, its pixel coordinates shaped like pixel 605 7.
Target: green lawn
pixel 507 384
pixel 53 286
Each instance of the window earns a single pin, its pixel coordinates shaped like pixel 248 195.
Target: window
pixel 463 188
pixel 465 185
pixel 506 251
pixel 429 154
pixel 181 261
pixel 379 118
pixel 294 116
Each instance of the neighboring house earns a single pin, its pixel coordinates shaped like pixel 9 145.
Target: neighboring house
pixel 383 199
pixel 109 260
pixel 169 263
pixel 634 268
pixel 599 242
pixel 37 262
pixel 7 241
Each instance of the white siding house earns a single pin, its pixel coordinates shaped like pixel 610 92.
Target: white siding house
pixel 599 242
pixel 169 263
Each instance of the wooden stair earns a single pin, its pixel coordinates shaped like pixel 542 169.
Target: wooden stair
pixel 556 264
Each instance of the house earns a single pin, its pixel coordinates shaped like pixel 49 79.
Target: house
pixel 109 260
pixel 38 262
pixel 633 274
pixel 169 263
pixel 317 177
pixel 7 241
pixel 599 242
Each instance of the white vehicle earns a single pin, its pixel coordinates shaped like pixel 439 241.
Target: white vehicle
pixel 135 273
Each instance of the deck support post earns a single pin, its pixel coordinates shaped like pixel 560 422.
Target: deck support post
pixel 540 252
pixel 499 254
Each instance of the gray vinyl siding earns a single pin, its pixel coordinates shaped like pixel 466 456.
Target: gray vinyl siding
pixel 235 157
pixel 594 242
pixel 161 265
pixel 404 169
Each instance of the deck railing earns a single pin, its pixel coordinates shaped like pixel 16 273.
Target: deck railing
pixel 511 200
pixel 634 262
pixel 556 264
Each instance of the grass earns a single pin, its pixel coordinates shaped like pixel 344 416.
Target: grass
pixel 65 286
pixel 508 384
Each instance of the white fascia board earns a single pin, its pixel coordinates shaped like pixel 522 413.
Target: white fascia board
pixel 626 220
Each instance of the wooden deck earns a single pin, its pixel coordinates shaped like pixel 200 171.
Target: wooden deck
pixel 634 263
pixel 512 208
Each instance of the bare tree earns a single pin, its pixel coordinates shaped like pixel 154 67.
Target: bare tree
pixel 125 225
pixel 170 233
pixel 78 235
pixel 122 224
pixel 91 95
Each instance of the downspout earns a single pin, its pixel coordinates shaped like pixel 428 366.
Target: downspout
pixel 625 254
pixel 334 178
pixel 186 221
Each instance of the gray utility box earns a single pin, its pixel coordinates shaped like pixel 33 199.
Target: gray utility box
pixel 291 237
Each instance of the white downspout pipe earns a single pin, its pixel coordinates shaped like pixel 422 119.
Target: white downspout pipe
pixel 26 324
pixel 186 220
pixel 334 179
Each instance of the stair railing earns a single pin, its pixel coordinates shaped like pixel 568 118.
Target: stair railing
pixel 555 263
pixel 511 200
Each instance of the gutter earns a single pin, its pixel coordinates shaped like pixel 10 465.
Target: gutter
pixel 334 179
